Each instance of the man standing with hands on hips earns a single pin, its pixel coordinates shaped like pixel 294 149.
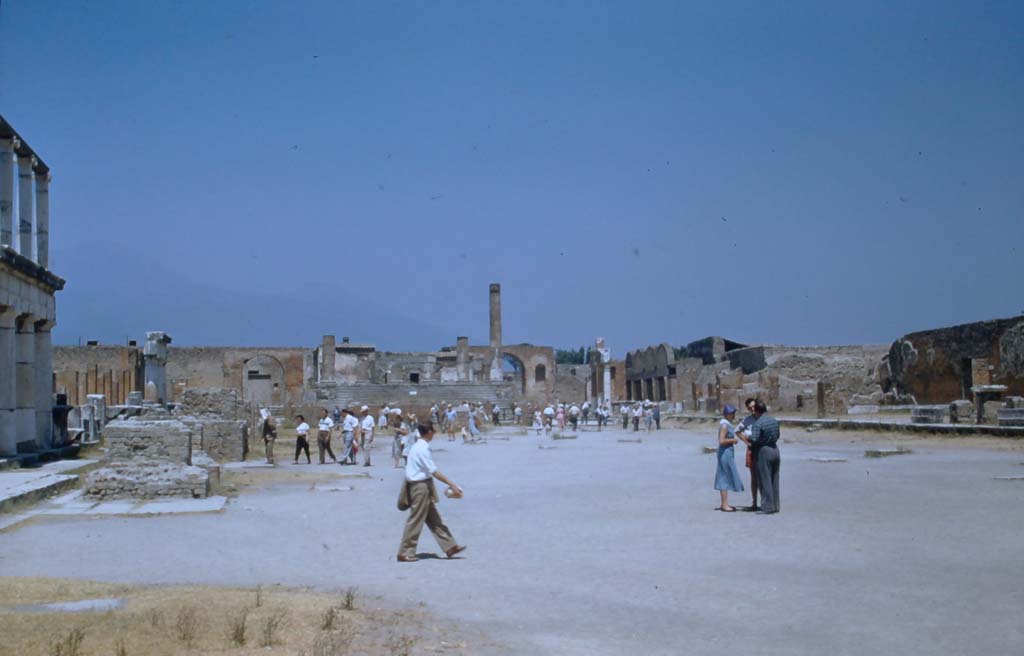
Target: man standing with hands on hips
pixel 420 497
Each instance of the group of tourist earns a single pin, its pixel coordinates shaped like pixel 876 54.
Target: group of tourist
pixel 760 432
pixel 646 411
pixel 568 414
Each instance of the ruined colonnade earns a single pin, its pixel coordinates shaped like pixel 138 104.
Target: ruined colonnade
pixel 27 306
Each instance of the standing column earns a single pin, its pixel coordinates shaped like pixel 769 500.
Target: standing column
pixel 8 396
pixel 43 220
pixel 7 147
pixel 44 384
pixel 25 175
pixel 495 306
pixel 328 357
pixel 25 378
pixel 155 354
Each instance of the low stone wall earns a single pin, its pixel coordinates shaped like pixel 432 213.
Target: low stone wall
pixel 224 440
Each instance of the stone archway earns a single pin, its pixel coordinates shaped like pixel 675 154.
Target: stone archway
pixel 513 369
pixel 263 380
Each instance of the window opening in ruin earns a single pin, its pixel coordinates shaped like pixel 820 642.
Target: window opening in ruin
pixel 414 378
pixel 671 371
pixel 256 375
pixel 572 372
pixel 540 374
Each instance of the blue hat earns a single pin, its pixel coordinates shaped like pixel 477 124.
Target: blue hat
pixel 728 409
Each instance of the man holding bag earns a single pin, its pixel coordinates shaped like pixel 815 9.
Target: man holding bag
pixel 420 497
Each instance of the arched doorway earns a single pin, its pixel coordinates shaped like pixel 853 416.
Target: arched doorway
pixel 513 370
pixel 263 380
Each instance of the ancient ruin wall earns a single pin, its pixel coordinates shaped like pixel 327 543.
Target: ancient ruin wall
pixel 939 366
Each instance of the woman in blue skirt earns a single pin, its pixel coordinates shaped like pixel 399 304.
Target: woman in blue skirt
pixel 727 477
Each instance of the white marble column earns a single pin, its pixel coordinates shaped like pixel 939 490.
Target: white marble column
pixel 25 377
pixel 7 147
pixel 44 384
pixel 25 204
pixel 43 220
pixel 8 397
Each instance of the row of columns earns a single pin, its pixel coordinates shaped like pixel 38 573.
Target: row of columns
pixel 26 398
pixel 33 203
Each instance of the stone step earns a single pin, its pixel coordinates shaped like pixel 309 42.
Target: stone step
pixel 20 487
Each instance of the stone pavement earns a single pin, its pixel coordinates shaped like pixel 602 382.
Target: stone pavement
pixel 594 546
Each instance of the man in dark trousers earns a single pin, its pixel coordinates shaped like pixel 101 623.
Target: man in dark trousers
pixel 764 438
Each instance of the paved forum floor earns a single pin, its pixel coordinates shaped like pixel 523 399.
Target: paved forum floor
pixel 602 547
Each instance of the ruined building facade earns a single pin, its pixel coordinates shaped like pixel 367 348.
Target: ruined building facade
pixel 27 298
pixel 330 374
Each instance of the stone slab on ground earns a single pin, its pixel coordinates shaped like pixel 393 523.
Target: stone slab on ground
pixel 885 453
pixel 247 464
pixel 18 487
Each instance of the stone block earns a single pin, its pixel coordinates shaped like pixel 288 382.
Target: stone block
pixel 218 402
pixel 990 411
pixel 167 440
pixel 928 414
pixel 147 479
pixel 962 412
pixel 1010 416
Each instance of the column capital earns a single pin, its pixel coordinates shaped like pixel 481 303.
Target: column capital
pixel 31 159
pixel 45 325
pixel 26 319
pixel 11 143
pixel 7 316
pixel 43 180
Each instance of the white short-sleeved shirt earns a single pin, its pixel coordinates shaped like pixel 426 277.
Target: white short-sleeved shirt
pixel 420 464
pixel 326 424
pixel 302 429
pixel 367 424
pixel 349 423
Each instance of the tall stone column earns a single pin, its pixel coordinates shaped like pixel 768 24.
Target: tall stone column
pixel 25 175
pixel 8 380
pixel 606 367
pixel 43 220
pixel 462 357
pixel 7 147
pixel 25 377
pixel 328 356
pixel 495 292
pixel 44 384
pixel 155 354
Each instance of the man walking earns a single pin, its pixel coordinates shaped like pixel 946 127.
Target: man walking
pixel 366 430
pixel 323 436
pixel 421 497
pixel 349 424
pixel 764 437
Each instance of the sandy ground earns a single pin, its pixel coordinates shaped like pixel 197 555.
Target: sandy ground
pixel 598 546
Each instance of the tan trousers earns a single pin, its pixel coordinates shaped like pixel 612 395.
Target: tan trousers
pixel 423 509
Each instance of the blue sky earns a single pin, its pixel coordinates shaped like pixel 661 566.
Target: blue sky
pixel 264 172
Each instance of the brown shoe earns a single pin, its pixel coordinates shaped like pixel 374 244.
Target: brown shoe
pixel 457 549
pixel 407 559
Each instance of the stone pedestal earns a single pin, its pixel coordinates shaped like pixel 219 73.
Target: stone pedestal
pixel 984 394
pixel 928 414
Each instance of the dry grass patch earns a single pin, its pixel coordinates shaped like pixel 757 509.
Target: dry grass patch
pixel 190 620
